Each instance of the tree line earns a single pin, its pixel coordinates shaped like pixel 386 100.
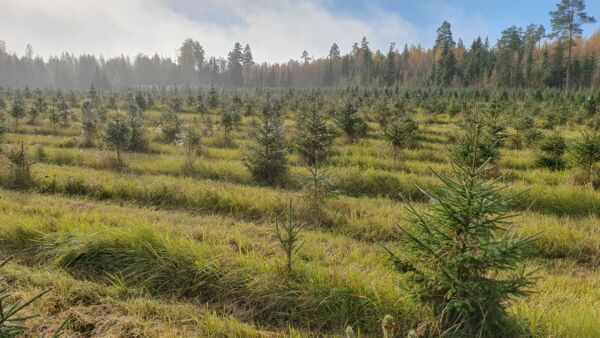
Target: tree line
pixel 522 57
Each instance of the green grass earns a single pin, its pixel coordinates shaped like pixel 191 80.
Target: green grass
pixel 149 252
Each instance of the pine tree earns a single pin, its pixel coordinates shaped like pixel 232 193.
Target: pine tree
pixel 267 158
pixel 566 21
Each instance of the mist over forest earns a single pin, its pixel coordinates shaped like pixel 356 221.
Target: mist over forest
pixel 522 57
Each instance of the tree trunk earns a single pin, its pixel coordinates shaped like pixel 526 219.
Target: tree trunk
pixel 568 83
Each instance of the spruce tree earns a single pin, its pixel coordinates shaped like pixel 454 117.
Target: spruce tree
pixel 586 153
pixel 20 166
pixel 63 109
pixel 350 123
pixel 89 123
pixel 17 110
pixel 117 137
pixel 191 143
pixel 234 66
pixel 267 158
pixel 3 126
pixel 401 133
pixel 227 124
pixel 135 121
pixel 314 136
pixel 486 150
pixel 213 98
pixel 39 106
pixel 288 237
pixel 170 126
pixel 462 259
pixel 317 188
pixel 551 152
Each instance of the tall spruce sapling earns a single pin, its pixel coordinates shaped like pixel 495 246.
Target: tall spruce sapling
pixel 213 98
pixel 494 124
pixel 314 136
pixel 3 126
pixel 288 237
pixel 63 109
pixel 317 188
pixel 350 122
pixel 461 256
pixel 40 105
pixel 522 126
pixel 382 113
pixel 89 123
pixel 117 137
pixel 227 124
pixel 170 125
pixel 17 109
pixel 551 150
pixel 586 153
pixel 20 163
pixel 191 144
pixel 486 149
pixel 138 141
pixel 267 157
pixel 401 133
pixel 201 109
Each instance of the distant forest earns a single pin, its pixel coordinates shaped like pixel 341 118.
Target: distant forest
pixel 522 57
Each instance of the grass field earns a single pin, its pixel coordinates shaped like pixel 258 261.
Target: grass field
pixel 148 251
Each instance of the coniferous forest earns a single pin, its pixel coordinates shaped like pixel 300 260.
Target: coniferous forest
pixel 523 57
pixel 451 191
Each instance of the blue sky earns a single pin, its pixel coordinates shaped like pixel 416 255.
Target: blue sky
pixel 277 30
pixel 471 17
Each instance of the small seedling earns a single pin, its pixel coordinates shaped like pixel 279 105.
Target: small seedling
pixel 288 235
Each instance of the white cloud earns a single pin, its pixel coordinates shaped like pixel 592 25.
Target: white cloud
pixel 277 30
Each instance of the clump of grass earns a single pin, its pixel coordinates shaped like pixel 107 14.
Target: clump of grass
pixel 12 322
pixel 172 266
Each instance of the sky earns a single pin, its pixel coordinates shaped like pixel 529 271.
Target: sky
pixel 277 30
